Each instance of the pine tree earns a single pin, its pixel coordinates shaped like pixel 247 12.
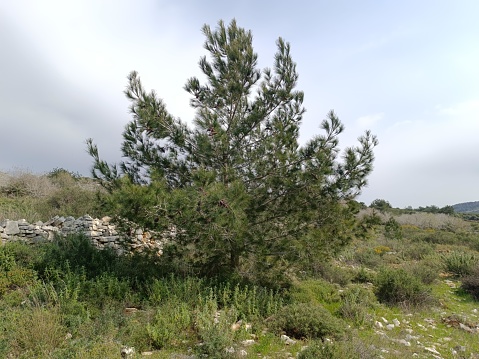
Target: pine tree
pixel 242 192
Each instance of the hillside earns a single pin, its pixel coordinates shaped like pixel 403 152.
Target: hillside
pixel 467 207
pixel 405 286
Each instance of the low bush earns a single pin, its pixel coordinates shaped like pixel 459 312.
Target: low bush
pixel 427 271
pixel 213 328
pixel 315 291
pixel 170 325
pixel 302 320
pixel 335 274
pixel 38 333
pixel 398 287
pixel 14 274
pixel 364 275
pixel 367 257
pixel 350 349
pixel 460 263
pixel 355 302
pixel 69 201
pixel 250 302
pixel 392 229
pixel 417 250
pixel 470 282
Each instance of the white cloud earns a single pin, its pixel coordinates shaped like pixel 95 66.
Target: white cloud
pixel 464 110
pixel 369 120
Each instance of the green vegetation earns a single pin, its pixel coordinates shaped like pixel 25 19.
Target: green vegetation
pixel 418 271
pixel 41 197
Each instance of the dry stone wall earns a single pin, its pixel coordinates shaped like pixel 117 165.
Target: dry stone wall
pixel 101 232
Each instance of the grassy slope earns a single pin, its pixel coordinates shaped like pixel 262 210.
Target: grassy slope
pixel 65 301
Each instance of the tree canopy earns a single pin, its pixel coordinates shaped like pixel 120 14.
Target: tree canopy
pixel 242 192
pixel 380 205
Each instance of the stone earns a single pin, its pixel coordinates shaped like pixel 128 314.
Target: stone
pixel 412 337
pixel 432 350
pixel 287 340
pixel 127 352
pixel 404 342
pixel 11 228
pixel 466 328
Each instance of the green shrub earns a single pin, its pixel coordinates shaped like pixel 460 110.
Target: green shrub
pixel 392 229
pixel 367 257
pixel 364 275
pixel 24 254
pixel 62 176
pixel 7 258
pixel 19 277
pixel 69 201
pixel 170 325
pixel 213 328
pixel 315 291
pixel 24 207
pixel 37 333
pixel 398 287
pixel 79 253
pixel 74 314
pixel 427 270
pixel 355 302
pixel 417 250
pixel 441 237
pixel 12 274
pixel 460 263
pixel 106 287
pixel 161 290
pixel 350 349
pixel 303 320
pixel 470 282
pixel 249 301
pixel 335 274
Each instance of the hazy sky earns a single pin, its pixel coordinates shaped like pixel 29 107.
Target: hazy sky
pixel 407 70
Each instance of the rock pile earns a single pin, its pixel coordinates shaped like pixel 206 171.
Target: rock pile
pixel 100 231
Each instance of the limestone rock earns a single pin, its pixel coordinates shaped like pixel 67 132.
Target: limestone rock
pixel 11 228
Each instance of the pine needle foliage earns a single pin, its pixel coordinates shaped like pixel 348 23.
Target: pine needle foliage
pixel 242 192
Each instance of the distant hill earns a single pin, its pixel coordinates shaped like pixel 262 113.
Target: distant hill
pixel 467 207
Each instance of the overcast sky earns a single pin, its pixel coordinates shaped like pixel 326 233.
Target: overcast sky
pixel 407 70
